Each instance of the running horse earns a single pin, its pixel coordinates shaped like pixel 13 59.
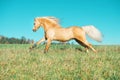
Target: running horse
pixel 53 31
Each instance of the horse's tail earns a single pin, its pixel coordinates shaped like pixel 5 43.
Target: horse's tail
pixel 93 32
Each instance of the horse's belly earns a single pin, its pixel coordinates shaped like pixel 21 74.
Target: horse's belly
pixel 63 35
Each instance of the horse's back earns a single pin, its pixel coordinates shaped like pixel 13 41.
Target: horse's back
pixel 77 30
pixel 79 33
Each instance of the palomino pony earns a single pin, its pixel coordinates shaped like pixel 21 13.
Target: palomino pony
pixel 53 31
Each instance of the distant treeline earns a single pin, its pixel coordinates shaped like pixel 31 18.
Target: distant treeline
pixel 12 40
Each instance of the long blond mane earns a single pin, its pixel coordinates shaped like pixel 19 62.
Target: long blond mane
pixel 56 20
pixel 51 19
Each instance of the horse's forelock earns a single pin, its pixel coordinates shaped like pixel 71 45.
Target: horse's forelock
pixel 35 19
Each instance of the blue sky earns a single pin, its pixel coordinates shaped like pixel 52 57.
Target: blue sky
pixel 17 16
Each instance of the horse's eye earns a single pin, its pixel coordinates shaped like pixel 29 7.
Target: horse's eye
pixel 34 23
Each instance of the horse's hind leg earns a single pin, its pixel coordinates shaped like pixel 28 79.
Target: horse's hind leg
pixel 85 44
pixel 91 47
pixel 86 49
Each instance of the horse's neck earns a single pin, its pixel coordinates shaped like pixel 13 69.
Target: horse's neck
pixel 47 26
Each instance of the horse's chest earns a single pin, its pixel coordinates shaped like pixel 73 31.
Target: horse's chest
pixel 49 34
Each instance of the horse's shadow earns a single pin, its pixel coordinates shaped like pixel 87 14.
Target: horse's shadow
pixel 76 49
pixel 61 48
pixel 79 49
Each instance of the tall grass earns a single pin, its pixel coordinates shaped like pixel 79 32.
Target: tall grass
pixel 62 62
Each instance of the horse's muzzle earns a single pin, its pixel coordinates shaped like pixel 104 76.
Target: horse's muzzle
pixel 34 30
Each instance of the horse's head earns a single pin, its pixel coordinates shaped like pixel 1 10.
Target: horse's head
pixel 42 21
pixel 37 24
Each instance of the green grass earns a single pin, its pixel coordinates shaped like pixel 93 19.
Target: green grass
pixel 62 62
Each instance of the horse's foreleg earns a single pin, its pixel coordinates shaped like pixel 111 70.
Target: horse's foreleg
pixel 47 45
pixel 40 41
pixel 37 43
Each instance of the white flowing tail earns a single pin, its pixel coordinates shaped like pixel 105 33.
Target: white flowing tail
pixel 93 32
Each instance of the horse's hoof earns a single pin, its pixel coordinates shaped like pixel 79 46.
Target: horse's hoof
pixel 33 46
pixel 95 52
pixel 45 52
pixel 30 47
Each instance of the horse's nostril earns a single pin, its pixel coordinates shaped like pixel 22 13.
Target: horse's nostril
pixel 34 30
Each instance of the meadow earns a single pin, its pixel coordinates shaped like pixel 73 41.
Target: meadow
pixel 62 62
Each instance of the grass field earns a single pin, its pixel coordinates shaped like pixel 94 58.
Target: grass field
pixel 62 62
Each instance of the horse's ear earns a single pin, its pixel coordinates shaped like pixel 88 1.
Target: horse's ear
pixel 34 19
